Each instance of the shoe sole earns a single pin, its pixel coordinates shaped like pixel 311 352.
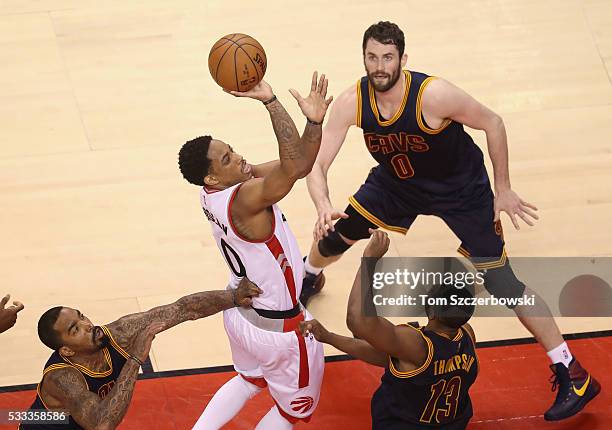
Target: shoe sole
pixel 591 393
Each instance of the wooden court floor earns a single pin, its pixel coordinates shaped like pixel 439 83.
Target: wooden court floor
pixel 97 98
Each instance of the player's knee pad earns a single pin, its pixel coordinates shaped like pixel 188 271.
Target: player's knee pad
pixel 332 245
pixel 502 282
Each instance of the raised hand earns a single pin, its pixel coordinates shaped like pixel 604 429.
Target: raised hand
pixel 144 339
pixel 324 222
pixel 378 244
pixel 245 292
pixel 508 201
pixel 315 105
pixel 8 316
pixel 262 92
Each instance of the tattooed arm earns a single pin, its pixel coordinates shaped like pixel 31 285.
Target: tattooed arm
pixel 297 154
pixel 67 388
pixel 191 307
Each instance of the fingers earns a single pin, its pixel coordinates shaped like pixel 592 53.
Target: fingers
pixel 4 301
pixel 322 87
pixel 328 222
pixel 17 307
pixel 524 218
pixel 329 100
pixel 528 211
pixel 255 290
pixel 313 83
pixel 296 95
pixel 496 216
pixel 514 221
pixel 529 205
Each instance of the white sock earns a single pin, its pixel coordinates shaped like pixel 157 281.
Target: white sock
pixel 226 403
pixel 560 354
pixel 274 421
pixel 312 269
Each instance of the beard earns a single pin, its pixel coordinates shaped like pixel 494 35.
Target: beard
pixel 101 342
pixel 391 80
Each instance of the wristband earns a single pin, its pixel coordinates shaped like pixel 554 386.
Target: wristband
pixel 267 102
pixel 309 121
pixel 137 360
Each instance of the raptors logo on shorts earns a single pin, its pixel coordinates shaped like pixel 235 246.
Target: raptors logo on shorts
pixel 302 404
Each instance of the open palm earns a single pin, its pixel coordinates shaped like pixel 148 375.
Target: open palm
pixel 315 105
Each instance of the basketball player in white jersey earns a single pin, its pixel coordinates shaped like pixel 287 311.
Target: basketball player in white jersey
pixel 239 200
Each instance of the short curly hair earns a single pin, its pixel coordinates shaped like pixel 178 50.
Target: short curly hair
pixel 193 159
pixel 47 334
pixel 386 33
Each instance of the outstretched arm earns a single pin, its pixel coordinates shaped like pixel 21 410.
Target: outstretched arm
pixel 442 100
pixel 396 341
pixel 68 387
pixel 297 154
pixel 341 117
pixel 357 348
pixel 191 307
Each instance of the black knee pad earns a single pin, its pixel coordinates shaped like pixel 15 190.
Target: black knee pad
pixel 502 282
pixel 332 245
pixel 355 227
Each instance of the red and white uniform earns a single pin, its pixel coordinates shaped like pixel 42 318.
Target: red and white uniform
pixel 265 350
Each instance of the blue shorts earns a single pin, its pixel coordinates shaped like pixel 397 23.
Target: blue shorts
pixel 386 202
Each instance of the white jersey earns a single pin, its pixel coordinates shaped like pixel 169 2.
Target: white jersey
pixel 274 264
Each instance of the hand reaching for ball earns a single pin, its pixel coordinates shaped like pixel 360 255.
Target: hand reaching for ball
pixel 315 105
pixel 262 92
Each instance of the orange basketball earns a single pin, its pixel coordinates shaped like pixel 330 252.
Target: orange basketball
pixel 237 62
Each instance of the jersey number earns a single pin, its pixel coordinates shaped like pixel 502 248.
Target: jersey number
pixel 233 259
pixel 402 166
pixel 452 388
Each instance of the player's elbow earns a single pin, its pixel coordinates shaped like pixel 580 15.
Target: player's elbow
pixel 352 322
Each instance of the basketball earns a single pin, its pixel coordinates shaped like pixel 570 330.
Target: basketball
pixel 237 62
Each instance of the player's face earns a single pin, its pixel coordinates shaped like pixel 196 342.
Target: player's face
pixel 227 167
pixel 78 333
pixel 383 64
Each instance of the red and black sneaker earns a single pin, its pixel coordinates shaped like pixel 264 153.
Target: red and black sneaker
pixel 576 388
pixel 311 285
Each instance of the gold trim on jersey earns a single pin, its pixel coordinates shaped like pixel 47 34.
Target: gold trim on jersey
pixel 408 79
pixel 474 345
pixel 88 372
pixel 500 262
pixel 359 105
pixel 419 115
pixel 424 366
pixel 367 215
pixel 114 343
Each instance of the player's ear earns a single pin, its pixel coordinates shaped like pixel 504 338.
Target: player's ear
pixel 404 60
pixel 66 352
pixel 210 180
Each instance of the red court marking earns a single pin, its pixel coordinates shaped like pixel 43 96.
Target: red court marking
pixel 511 393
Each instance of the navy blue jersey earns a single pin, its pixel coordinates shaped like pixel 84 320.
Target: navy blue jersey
pixel 433 396
pixel 98 383
pixel 436 161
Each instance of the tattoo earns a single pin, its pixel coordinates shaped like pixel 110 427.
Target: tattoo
pixel 192 307
pixel 311 140
pixel 289 142
pixel 86 408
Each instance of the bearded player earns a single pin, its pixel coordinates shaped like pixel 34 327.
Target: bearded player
pixel 239 200
pixel 428 165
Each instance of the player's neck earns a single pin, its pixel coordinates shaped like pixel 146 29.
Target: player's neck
pixel 395 93
pixel 435 326
pixel 95 361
